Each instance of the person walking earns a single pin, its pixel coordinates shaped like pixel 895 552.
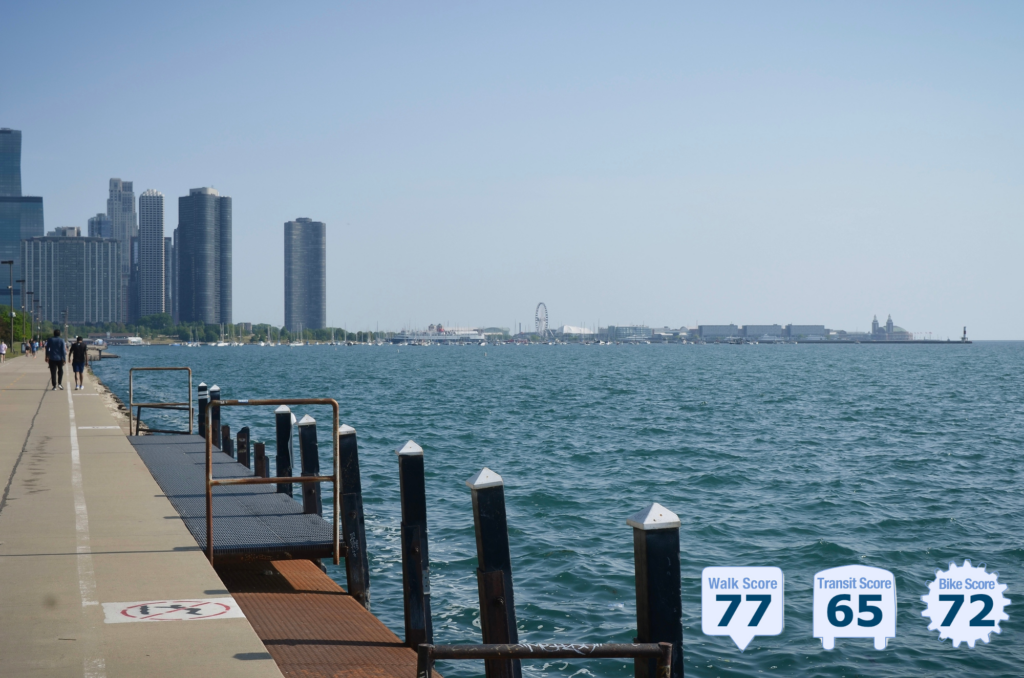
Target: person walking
pixel 3 352
pixel 55 354
pixel 35 347
pixel 79 359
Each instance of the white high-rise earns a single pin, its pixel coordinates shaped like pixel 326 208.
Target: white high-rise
pixel 151 253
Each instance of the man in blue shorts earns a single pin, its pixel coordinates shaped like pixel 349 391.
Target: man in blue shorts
pixel 79 359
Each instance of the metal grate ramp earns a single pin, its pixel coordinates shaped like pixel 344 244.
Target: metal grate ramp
pixel 250 522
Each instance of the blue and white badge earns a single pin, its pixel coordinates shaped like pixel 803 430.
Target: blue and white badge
pixel 854 601
pixel 965 603
pixel 742 602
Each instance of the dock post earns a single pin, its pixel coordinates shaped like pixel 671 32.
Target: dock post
pixel 659 602
pixel 415 558
pixel 283 421
pixel 215 416
pixel 243 447
pixel 226 443
pixel 494 576
pixel 357 566
pixel 204 399
pixel 309 456
pixel 259 460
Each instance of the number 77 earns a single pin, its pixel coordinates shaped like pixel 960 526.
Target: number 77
pixel 764 600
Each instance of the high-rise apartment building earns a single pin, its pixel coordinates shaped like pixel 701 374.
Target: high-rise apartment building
pixel 305 275
pixel 65 232
pixel 203 252
pixel 123 219
pixel 100 227
pixel 168 258
pixel 151 253
pixel 20 216
pixel 79 276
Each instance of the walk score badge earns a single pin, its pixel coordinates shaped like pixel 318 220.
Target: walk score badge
pixel 854 601
pixel 171 610
pixel 965 603
pixel 742 602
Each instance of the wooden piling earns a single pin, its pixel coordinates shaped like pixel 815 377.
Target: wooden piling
pixel 309 457
pixel 659 602
pixel 283 422
pixel 242 439
pixel 353 524
pixel 204 400
pixel 215 416
pixel 494 575
pixel 415 556
pixel 261 465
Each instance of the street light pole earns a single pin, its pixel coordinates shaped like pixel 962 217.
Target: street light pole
pixel 10 262
pixel 32 313
pixel 22 309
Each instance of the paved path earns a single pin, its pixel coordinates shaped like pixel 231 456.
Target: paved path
pixel 83 523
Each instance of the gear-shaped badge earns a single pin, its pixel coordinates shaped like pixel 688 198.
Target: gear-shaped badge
pixel 965 603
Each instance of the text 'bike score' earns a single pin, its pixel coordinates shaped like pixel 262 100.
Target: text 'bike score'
pixel 742 602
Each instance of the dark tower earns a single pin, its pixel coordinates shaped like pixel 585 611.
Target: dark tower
pixel 203 274
pixel 305 275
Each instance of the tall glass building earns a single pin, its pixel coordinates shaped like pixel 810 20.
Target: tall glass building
pixel 20 216
pixel 151 252
pixel 100 227
pixel 203 252
pixel 124 220
pixel 305 275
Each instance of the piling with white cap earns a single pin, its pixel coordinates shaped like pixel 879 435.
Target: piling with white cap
pixel 353 523
pixel 309 457
pixel 242 440
pixel 227 445
pixel 215 416
pixel 494 575
pixel 283 420
pixel 415 555
pixel 204 400
pixel 659 600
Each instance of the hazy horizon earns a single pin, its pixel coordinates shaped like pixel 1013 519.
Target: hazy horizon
pixel 662 164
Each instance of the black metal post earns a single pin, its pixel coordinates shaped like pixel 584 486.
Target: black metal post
pixel 283 421
pixel 424 662
pixel 494 574
pixel 226 444
pixel 659 600
pixel 357 566
pixel 243 447
pixel 204 400
pixel 259 460
pixel 215 415
pixel 309 456
pixel 415 557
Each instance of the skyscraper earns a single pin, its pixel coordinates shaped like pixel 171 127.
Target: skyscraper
pixel 151 252
pixel 123 220
pixel 168 272
pixel 203 270
pixel 305 275
pixel 20 216
pixel 81 276
pixel 100 227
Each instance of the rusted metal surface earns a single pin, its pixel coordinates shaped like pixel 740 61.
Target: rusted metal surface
pixel 311 626
pixel 662 652
pixel 158 406
pixel 334 479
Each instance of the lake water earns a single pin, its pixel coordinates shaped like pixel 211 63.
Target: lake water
pixel 802 457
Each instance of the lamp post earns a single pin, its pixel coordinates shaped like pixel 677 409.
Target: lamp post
pixel 22 282
pixel 10 262
pixel 31 312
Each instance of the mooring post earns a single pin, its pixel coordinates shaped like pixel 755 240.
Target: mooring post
pixel 357 566
pixel 259 460
pixel 494 574
pixel 227 445
pixel 659 600
pixel 204 399
pixel 309 457
pixel 215 416
pixel 283 420
pixel 415 558
pixel 424 661
pixel 243 447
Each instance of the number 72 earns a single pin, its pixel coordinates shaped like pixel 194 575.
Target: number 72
pixel 958 601
pixel 764 600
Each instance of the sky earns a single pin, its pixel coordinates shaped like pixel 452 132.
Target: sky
pixel 663 163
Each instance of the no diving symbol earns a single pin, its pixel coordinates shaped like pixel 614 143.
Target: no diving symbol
pixel 171 610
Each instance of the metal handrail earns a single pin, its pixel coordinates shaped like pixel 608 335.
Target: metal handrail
pixel 157 406
pixel 427 654
pixel 210 482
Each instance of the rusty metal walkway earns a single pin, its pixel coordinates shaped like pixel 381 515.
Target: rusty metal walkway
pixel 311 627
pixel 254 522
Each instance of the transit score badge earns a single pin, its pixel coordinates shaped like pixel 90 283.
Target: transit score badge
pixel 742 602
pixel 854 601
pixel 965 603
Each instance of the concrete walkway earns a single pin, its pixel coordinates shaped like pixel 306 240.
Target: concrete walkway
pixel 83 524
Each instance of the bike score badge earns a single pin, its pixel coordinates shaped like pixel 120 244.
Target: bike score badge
pixel 965 603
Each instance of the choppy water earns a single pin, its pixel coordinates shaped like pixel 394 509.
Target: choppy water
pixel 801 457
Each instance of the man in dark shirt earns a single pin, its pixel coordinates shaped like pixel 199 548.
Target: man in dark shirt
pixel 56 352
pixel 79 359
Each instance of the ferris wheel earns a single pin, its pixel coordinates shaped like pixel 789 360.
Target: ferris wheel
pixel 541 319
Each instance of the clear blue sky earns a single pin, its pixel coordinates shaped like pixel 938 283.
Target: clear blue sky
pixel 665 163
